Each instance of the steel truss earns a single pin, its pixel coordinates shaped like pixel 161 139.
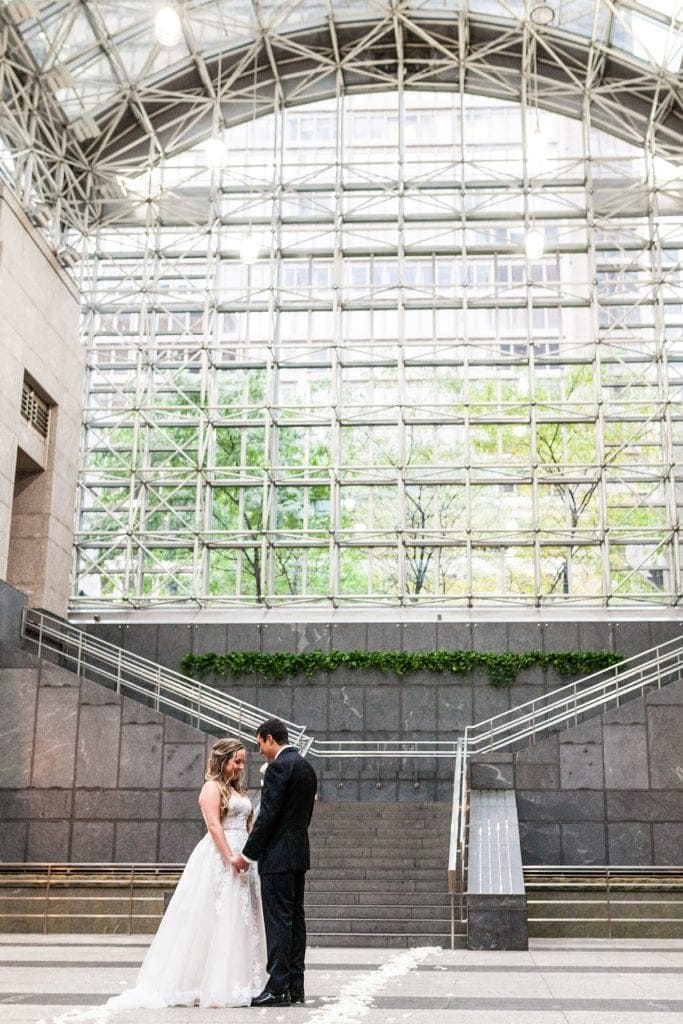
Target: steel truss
pixel 394 404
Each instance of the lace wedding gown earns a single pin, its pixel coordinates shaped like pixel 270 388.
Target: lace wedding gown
pixel 210 947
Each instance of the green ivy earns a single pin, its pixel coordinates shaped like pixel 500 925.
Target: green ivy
pixel 502 669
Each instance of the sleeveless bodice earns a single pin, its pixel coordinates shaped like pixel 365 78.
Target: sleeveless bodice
pixel 235 818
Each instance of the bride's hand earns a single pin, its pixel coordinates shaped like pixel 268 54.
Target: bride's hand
pixel 239 864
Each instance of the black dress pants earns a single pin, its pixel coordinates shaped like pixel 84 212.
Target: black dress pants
pixel 283 914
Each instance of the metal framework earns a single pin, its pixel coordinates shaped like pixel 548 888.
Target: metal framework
pixel 397 402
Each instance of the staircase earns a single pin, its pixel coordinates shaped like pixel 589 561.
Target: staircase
pixel 377 879
pixel 377 876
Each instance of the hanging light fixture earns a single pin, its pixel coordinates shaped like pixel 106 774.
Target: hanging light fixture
pixel 216 154
pixel 167 26
pixel 534 244
pixel 535 142
pixel 542 14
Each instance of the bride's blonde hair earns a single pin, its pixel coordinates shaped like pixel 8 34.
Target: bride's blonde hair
pixel 221 753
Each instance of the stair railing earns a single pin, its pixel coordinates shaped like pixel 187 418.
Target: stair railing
pixel 202 705
pixel 131 675
pixel 570 704
pixel 565 706
pixel 210 708
pixel 457 853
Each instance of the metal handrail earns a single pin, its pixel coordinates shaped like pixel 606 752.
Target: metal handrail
pixel 346 749
pixel 608 880
pixel 182 696
pixel 566 704
pixel 133 675
pixel 457 859
pixel 651 668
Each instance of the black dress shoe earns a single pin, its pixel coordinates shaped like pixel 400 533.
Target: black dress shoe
pixel 296 996
pixel 267 998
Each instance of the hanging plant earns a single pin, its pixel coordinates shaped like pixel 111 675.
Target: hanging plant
pixel 502 669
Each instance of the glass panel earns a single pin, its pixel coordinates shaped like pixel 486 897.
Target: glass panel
pixel 396 402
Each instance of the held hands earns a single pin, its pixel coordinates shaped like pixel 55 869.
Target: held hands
pixel 239 863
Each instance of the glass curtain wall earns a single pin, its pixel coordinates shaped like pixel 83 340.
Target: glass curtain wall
pixel 448 370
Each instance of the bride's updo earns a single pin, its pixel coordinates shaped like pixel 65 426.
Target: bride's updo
pixel 221 753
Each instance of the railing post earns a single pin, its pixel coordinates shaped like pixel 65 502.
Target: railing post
pixel 609 903
pixel 119 669
pixel 157 696
pixel 47 898
pixel 453 921
pixel 79 653
pixel 130 899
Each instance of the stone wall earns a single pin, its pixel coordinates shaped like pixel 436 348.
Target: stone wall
pixel 352 705
pixel 608 791
pixel 86 775
pixel 39 339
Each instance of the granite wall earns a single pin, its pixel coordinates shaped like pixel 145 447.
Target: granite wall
pixel 86 775
pixel 352 705
pixel 608 791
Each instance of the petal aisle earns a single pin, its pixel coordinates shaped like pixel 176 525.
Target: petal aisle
pixel 356 997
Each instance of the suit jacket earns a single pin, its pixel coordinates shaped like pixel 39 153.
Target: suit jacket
pixel 279 839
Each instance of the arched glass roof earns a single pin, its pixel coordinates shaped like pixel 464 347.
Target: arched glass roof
pixel 111 99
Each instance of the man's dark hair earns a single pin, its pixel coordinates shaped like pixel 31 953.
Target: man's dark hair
pixel 275 728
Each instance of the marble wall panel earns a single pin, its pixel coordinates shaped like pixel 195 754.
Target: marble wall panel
pixel 97 750
pixel 48 841
pixel 183 765
pixel 581 766
pixel 138 842
pixel 584 842
pixel 92 841
pixel 140 761
pixel 625 753
pixel 13 839
pixel 17 725
pixel 629 842
pixel 177 839
pixel 667 840
pixel 55 738
pixel 665 745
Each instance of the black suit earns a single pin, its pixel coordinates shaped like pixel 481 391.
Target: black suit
pixel 279 843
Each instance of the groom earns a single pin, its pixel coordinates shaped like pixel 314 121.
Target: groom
pixel 279 842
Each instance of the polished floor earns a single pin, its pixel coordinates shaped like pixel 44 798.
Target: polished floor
pixel 65 979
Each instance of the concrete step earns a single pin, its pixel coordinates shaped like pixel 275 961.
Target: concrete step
pixel 378 878
pixel 380 874
pixel 382 898
pixel 370 926
pixel 399 840
pixel 377 912
pixel 375 862
pixel 389 940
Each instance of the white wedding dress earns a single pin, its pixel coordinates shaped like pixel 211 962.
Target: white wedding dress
pixel 210 948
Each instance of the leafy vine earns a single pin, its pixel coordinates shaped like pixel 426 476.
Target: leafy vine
pixel 502 669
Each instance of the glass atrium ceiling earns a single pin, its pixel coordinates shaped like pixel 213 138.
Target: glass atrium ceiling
pixel 97 68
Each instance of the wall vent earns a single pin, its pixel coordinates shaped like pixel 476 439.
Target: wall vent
pixel 35 409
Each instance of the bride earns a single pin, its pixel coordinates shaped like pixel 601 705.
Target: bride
pixel 210 946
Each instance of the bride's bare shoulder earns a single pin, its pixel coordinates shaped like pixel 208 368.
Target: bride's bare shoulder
pixel 210 791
